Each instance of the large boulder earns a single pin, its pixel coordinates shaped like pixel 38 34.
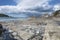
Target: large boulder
pixel 1 29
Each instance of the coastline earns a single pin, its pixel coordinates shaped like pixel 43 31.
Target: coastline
pixel 34 26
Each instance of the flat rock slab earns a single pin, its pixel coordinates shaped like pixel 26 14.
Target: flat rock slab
pixel 52 31
pixel 25 35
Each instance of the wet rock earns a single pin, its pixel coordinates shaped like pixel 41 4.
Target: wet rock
pixel 1 29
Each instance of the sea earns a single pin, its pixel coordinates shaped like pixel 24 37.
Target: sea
pixel 7 19
pixel 18 16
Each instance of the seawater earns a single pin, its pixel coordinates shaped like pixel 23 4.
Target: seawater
pixel 2 19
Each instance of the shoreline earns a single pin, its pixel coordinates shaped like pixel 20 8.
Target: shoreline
pixel 34 26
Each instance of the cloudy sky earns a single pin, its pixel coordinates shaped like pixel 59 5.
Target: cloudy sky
pixel 10 6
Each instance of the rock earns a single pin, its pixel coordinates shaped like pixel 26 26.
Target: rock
pixel 14 33
pixel 1 29
pixel 10 31
pixel 25 35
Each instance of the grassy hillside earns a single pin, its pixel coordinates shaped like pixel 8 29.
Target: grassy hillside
pixel 57 13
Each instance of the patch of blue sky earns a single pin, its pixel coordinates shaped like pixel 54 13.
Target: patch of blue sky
pixel 54 2
pixel 7 2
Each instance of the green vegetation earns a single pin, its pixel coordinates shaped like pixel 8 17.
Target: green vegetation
pixel 56 13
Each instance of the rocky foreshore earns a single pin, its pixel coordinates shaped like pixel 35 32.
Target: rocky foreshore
pixel 44 28
pixel 32 29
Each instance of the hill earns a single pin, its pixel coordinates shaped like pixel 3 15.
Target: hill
pixel 56 13
pixel 4 15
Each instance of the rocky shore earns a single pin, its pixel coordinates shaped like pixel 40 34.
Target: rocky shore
pixel 32 29
pixel 44 28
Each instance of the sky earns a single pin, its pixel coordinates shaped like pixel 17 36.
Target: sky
pixel 34 6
